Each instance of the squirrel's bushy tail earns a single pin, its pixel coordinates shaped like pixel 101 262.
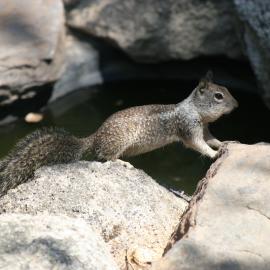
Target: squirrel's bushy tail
pixel 43 147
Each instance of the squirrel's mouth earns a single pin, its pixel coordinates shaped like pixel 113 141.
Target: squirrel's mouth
pixel 230 110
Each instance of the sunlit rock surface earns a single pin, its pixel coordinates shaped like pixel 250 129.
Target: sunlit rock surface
pixel 122 204
pixel 227 223
pixel 45 242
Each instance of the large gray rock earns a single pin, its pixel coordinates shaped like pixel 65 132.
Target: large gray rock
pixel 160 30
pixel 126 206
pixel 31 46
pixel 227 223
pixel 82 67
pixel 51 242
pixel 254 30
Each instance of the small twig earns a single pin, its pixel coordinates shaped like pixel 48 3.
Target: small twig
pixel 128 263
pixel 181 194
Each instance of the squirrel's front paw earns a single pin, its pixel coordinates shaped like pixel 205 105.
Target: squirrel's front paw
pixel 213 154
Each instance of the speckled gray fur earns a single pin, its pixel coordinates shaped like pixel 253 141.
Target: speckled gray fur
pixel 126 133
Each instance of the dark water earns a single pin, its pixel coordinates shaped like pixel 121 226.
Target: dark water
pixel 173 166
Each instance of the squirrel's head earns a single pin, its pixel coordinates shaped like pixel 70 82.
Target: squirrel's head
pixel 212 100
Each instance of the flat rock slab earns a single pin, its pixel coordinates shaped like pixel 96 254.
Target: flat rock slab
pixel 227 224
pixel 45 242
pixel 31 45
pixel 122 204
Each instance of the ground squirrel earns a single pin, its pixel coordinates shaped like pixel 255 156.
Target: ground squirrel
pixel 126 133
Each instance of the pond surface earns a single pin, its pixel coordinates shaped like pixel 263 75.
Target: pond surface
pixel 173 166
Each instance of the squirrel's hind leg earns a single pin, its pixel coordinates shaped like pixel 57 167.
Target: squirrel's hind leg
pixel 109 152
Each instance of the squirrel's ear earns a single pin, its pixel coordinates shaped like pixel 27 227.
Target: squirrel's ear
pixel 202 85
pixel 209 76
pixel 205 80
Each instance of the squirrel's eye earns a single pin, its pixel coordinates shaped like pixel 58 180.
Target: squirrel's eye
pixel 218 96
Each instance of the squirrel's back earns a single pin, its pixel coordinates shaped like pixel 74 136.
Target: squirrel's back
pixel 43 147
pixel 134 131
